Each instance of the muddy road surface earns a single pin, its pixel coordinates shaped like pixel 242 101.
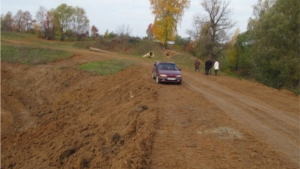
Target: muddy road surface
pixel 56 116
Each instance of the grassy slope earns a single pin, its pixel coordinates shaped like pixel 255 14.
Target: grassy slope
pixel 137 48
pixel 28 49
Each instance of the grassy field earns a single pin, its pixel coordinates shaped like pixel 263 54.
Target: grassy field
pixel 26 54
pixel 106 67
pixel 28 49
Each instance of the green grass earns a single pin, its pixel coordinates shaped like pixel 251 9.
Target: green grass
pixel 16 36
pixel 184 61
pixel 31 54
pixel 26 38
pixel 106 67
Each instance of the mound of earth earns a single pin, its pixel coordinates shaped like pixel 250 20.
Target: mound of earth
pixel 56 116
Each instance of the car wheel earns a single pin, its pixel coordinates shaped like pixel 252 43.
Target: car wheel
pixel 157 81
pixel 179 83
pixel 153 77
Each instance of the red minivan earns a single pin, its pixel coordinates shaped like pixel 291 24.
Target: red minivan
pixel 166 72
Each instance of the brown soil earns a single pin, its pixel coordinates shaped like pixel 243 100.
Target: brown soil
pixel 56 116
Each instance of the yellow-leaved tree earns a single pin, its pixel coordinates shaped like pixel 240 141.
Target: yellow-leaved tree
pixel 168 14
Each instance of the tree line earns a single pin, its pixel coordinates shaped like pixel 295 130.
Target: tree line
pixel 269 49
pixel 62 21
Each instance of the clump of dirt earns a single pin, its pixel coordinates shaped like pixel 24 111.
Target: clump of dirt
pixel 55 117
pixel 170 53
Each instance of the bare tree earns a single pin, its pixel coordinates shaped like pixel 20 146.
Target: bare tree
pixel 45 20
pixel 94 31
pixel 123 32
pixel 19 21
pixel 7 22
pixel 218 20
pixel 27 19
pixel 40 16
pixel 79 23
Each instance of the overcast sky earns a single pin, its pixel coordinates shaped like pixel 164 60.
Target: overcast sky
pixel 111 14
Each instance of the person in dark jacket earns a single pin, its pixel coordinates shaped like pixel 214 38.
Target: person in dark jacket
pixel 208 65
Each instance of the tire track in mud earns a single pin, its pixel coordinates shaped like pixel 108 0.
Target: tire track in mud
pixel 176 137
pixel 279 129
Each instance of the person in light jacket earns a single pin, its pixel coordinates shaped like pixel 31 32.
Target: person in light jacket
pixel 216 67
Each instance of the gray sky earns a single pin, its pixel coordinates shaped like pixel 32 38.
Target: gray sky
pixel 111 14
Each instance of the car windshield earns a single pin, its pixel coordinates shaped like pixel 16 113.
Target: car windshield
pixel 167 66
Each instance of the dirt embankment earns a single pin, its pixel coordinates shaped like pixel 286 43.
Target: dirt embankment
pixel 55 116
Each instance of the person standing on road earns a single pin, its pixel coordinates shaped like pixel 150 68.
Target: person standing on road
pixel 208 65
pixel 216 67
pixel 197 64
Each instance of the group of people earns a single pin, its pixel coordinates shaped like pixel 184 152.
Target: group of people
pixel 208 65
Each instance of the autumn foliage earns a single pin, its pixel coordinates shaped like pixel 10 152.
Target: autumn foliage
pixel 150 31
pixel 168 14
pixel 94 32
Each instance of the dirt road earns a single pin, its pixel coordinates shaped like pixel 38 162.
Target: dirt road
pixel 55 116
